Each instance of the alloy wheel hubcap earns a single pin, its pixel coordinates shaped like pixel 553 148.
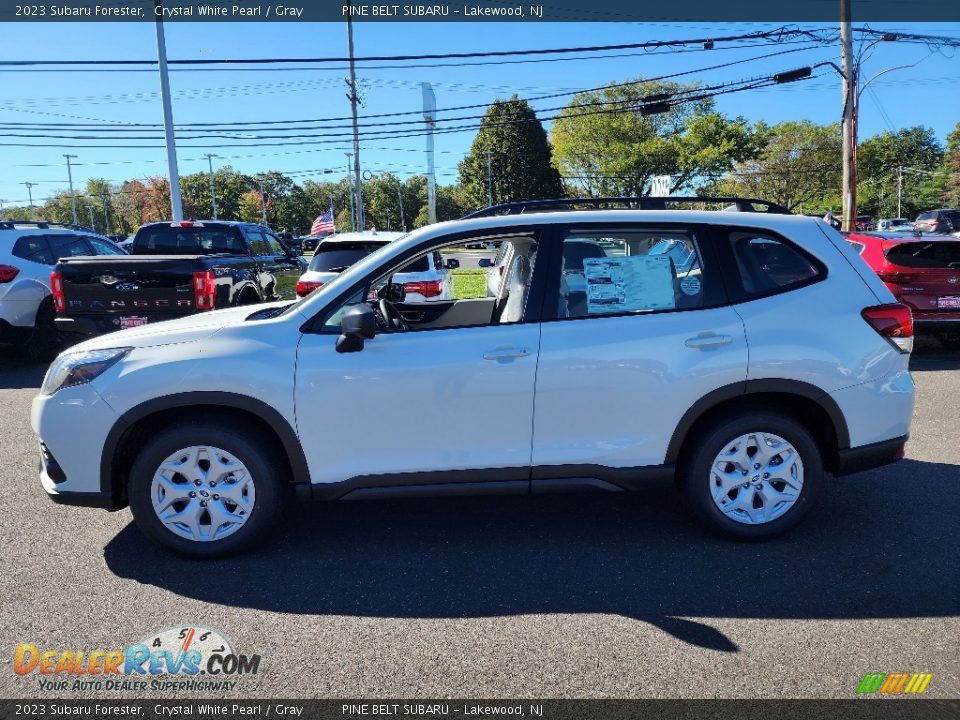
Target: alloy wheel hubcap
pixel 756 478
pixel 202 493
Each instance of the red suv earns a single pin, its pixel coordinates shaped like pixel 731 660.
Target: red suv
pixel 923 272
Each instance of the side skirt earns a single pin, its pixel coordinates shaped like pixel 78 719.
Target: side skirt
pixel 495 481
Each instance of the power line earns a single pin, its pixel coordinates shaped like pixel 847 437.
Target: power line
pixel 677 97
pixel 778 33
pixel 136 126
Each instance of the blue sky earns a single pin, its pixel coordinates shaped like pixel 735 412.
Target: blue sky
pixel 926 93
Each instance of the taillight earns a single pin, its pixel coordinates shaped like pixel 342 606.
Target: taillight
pixel 894 322
pixel 305 287
pixel 897 278
pixel 56 287
pixel 204 290
pixel 8 273
pixel 427 288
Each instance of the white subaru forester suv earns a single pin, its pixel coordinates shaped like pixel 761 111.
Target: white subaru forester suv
pixel 772 356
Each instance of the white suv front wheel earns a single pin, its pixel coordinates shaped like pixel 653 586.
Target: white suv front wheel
pixel 753 475
pixel 205 490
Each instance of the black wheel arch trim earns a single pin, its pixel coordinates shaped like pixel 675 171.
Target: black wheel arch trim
pixel 288 437
pixel 755 387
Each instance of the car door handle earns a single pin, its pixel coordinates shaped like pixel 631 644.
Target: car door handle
pixel 705 341
pixel 506 354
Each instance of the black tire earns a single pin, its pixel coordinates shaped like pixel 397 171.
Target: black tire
pixel 272 490
pixel 44 338
pixel 699 454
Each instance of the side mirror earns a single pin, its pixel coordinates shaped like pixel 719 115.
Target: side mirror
pixel 359 323
pixel 452 264
pixel 486 262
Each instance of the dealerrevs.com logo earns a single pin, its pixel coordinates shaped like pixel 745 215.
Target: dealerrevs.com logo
pixel 181 658
pixel 897 683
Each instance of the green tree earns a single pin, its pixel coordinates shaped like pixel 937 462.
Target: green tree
pixel 519 157
pixel 914 149
pixel 948 183
pixel 451 205
pixel 603 145
pixel 799 166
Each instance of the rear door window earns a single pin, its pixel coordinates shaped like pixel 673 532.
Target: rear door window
pixel 65 246
pixel 632 270
pixel 768 264
pixel 944 255
pixel 101 247
pixel 258 244
pixel 34 248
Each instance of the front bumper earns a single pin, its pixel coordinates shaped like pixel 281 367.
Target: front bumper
pixel 72 425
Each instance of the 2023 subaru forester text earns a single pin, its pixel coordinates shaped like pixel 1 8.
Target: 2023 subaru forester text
pixel 771 356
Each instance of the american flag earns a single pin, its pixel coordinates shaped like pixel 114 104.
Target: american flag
pixel 323 223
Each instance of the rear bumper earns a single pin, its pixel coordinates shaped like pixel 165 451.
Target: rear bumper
pixel 867 457
pixel 931 321
pixel 90 325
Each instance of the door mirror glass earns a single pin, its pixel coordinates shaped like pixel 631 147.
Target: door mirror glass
pixel 453 264
pixel 485 263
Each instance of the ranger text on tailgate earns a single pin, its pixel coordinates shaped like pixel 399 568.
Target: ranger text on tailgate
pixel 174 269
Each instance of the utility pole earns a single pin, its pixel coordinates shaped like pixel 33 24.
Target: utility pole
pixel 849 193
pixel 213 188
pixel 73 198
pixel 30 186
pixel 176 203
pixel 899 190
pixel 403 222
pixel 106 213
pixel 358 187
pixel 429 117
pixel 353 213
pixel 489 176
pixel 263 200
pixel 92 224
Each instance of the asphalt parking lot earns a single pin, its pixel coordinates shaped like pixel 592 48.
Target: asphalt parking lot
pixel 568 596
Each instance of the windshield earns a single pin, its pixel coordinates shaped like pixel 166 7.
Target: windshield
pixel 337 257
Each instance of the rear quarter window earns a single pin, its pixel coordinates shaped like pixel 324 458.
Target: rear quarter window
pixel 34 248
pixel 768 264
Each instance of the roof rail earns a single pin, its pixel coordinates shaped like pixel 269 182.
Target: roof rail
pixel 42 224
pixel 631 203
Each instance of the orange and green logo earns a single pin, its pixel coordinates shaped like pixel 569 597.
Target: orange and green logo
pixel 898 683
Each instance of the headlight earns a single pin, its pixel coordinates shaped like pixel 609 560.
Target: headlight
pixel 80 368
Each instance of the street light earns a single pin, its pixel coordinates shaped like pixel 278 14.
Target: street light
pixel 30 186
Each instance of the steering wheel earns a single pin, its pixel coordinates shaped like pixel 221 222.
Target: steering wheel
pixel 390 316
